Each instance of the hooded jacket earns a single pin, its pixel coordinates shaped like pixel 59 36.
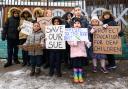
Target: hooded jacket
pixel 38 11
pixel 10 28
pixel 29 18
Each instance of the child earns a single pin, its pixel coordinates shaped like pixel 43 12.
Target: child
pixel 109 20
pixel 96 22
pixel 55 54
pixel 37 37
pixel 78 53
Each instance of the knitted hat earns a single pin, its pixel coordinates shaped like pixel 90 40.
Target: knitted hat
pixel 95 17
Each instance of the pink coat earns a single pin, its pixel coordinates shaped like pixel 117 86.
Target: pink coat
pixel 77 49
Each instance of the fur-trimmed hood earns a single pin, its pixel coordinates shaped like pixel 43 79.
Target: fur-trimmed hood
pixel 12 10
pixel 28 11
pixel 38 11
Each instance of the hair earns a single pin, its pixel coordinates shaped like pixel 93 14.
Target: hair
pixel 107 12
pixel 29 14
pixel 76 20
pixel 58 18
pixel 65 15
pixel 77 6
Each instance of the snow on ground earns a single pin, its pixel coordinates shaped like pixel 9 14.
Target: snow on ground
pixel 21 80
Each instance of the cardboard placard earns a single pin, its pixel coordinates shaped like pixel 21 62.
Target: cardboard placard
pixel 44 21
pixel 31 47
pixel 76 34
pixel 107 41
pixel 27 27
pixel 54 35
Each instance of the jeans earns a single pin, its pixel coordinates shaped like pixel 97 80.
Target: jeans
pixel 36 61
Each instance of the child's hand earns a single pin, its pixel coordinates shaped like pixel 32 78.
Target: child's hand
pixel 88 43
pixel 105 25
pixel 93 30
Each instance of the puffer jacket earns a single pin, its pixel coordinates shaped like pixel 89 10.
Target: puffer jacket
pixel 36 38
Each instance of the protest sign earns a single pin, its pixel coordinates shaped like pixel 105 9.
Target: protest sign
pixel 76 34
pixel 44 21
pixel 27 27
pixel 54 35
pixel 107 41
pixel 31 47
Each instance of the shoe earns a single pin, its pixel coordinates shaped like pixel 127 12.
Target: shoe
pixel 111 67
pixel 94 69
pixel 24 64
pixel 46 66
pixel 76 79
pixel 80 76
pixel 104 70
pixel 32 71
pixel 16 61
pixel 59 75
pixel 7 65
pixel 51 74
pixel 37 71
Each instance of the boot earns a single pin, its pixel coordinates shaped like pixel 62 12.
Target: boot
pixel 16 61
pixel 80 75
pixel 75 75
pixel 38 71
pixel 7 64
pixel 32 71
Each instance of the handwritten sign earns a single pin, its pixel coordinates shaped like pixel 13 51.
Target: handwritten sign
pixel 27 27
pixel 44 21
pixel 107 41
pixel 76 34
pixel 54 35
pixel 31 47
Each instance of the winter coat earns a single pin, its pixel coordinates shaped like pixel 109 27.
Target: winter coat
pixel 77 49
pixel 22 35
pixel 10 28
pixel 112 22
pixel 36 38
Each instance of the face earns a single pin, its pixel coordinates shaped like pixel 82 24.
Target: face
pixel 107 16
pixel 56 22
pixel 69 16
pixel 77 12
pixel 49 13
pixel 77 25
pixel 16 14
pixel 94 22
pixel 25 14
pixel 36 27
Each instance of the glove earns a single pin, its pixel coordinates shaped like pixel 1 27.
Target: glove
pixel 92 30
pixel 105 25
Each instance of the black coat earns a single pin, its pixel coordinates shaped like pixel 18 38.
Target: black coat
pixel 10 28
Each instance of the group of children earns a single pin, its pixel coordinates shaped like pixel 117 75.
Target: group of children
pixel 78 50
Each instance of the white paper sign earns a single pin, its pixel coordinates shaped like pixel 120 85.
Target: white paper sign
pixel 54 35
pixel 76 34
pixel 27 27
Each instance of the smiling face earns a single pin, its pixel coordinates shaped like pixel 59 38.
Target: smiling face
pixel 56 22
pixel 77 24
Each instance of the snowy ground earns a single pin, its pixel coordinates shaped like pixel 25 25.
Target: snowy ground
pixel 17 77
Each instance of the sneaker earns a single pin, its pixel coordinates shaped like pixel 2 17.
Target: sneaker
pixel 104 70
pixel 16 61
pixel 112 67
pixel 94 69
pixel 37 71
